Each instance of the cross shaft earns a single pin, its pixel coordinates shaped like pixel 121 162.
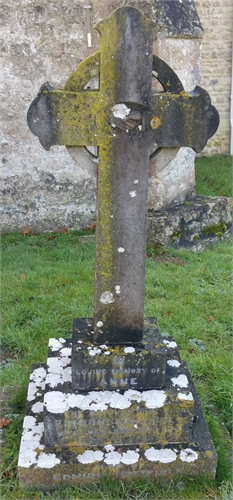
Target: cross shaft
pixel 127 122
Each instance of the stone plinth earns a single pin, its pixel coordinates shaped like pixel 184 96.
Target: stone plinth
pixel 105 367
pixel 76 463
pixel 194 224
pixel 95 418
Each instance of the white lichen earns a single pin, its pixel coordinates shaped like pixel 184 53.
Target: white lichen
pixel 94 351
pixel 133 194
pixel 120 111
pixel 58 371
pixel 56 344
pixel 188 455
pixel 99 324
pixel 112 458
pixel 47 460
pixel 185 397
pixel 164 456
pixel 170 344
pixel 173 362
pixel 180 381
pixel 109 447
pixel 130 457
pixel 37 407
pixel 90 456
pixel 106 298
pixel 129 350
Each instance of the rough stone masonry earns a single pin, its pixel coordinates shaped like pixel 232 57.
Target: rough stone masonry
pixel 45 41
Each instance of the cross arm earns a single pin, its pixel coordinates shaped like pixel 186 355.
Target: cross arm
pixel 183 120
pixel 67 118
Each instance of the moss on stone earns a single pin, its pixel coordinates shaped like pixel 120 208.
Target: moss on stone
pixel 216 229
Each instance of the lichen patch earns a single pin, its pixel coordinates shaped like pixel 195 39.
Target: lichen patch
pixel 90 456
pixel 130 457
pixel 174 362
pixel 106 298
pixel 56 344
pixel 188 455
pixel 180 381
pixel 112 458
pixel 170 344
pixel 185 397
pixel 47 460
pixel 129 350
pixel 133 194
pixel 164 456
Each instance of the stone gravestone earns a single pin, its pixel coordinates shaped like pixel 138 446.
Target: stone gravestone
pixel 116 398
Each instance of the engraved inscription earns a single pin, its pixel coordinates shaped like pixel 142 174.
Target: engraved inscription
pixel 120 376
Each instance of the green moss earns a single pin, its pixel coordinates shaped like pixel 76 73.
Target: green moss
pixel 176 235
pixel 217 229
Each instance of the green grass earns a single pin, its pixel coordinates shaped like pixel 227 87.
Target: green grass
pixel 214 175
pixel 48 279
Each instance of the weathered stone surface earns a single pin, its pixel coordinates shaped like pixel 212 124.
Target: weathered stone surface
pixel 105 367
pixel 132 416
pixel 45 42
pixel 178 18
pixel 194 224
pixel 172 182
pixel 47 467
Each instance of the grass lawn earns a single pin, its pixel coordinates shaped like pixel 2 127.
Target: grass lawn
pixel 48 279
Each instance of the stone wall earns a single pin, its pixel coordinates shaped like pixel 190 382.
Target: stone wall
pixel 44 40
pixel 217 20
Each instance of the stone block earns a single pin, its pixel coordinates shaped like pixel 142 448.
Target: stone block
pixel 50 466
pixel 74 418
pixel 105 367
pixel 194 224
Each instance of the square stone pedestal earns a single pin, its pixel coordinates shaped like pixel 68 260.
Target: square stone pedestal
pixel 72 437
pixel 107 367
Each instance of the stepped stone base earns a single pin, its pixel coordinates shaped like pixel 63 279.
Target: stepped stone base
pixel 150 433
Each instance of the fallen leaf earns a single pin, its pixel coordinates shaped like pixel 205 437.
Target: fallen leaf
pixel 168 313
pixel 51 238
pixel 62 230
pixel 4 422
pixel 211 318
pixel 22 276
pixel 92 226
pixel 27 230
pixel 8 474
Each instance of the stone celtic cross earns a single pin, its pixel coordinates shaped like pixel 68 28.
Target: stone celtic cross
pixel 127 121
